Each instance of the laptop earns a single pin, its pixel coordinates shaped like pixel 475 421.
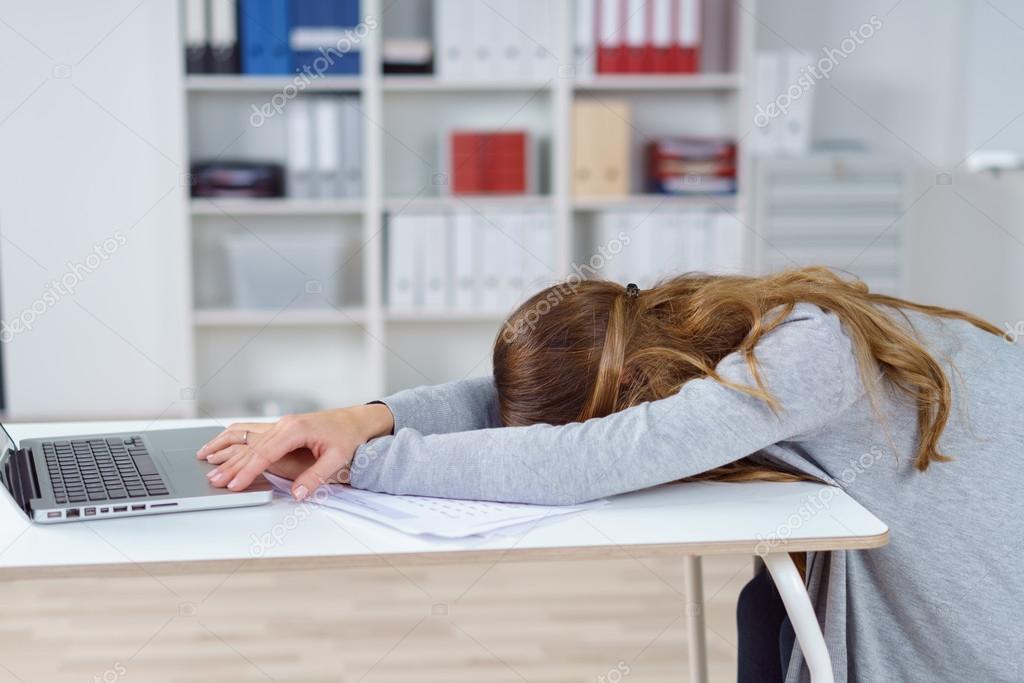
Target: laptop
pixel 100 476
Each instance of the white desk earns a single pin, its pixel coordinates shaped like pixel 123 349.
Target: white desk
pixel 686 520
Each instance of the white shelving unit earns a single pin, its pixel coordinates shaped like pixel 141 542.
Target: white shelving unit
pixel 366 351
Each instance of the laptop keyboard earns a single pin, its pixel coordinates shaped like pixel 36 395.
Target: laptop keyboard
pixel 101 469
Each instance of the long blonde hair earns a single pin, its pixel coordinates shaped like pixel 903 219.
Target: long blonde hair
pixel 580 350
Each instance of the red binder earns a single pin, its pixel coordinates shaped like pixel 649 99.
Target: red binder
pixel 661 35
pixel 635 35
pixel 684 55
pixel 488 163
pixel 609 16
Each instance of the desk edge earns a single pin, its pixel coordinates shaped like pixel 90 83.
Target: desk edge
pixel 567 553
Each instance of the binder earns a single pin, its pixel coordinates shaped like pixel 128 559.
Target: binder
pixel 321 36
pixel 643 249
pixel 264 36
pixel 491 254
pixel 601 148
pixel 196 37
pixel 540 20
pixel 685 53
pixel 223 37
pixel 584 57
pixel 538 241
pixel 351 148
pixel 696 245
pixel 795 126
pixel 661 36
pixel 433 229
pixel 299 148
pixel 726 233
pixel 607 25
pixel 669 235
pixel 513 52
pixel 489 162
pixel 465 263
pixel 464 164
pixel 403 272
pixel 636 46
pixel 627 265
pixel 481 29
pixel 510 227
pixel 327 146
pixel 452 24
pixel 767 131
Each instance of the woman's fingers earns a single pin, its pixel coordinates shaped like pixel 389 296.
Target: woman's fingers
pixel 227 470
pixel 235 434
pixel 288 434
pixel 324 471
pixel 224 454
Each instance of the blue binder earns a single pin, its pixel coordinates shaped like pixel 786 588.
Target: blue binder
pixel 265 25
pixel 318 29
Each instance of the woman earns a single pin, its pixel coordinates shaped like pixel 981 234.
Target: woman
pixel 599 389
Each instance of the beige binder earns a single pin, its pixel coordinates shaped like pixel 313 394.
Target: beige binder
pixel 600 148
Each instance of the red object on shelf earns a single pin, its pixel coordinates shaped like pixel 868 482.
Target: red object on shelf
pixel 682 165
pixel 625 40
pixel 611 49
pixel 489 163
pixel 684 55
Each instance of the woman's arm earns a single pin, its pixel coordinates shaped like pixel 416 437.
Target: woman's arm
pixel 453 407
pixel 807 363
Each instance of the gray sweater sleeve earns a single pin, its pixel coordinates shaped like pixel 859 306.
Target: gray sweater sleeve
pixel 453 407
pixel 807 363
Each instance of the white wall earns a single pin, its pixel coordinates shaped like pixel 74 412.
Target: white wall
pixel 905 92
pixel 91 135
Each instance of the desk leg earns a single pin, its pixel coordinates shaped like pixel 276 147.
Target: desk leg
pixel 801 613
pixel 695 619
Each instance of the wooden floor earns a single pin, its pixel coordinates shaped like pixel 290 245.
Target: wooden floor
pixel 612 620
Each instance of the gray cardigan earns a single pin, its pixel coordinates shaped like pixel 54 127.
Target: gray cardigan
pixel 943 600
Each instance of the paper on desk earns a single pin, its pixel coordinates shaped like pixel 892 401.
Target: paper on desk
pixel 421 515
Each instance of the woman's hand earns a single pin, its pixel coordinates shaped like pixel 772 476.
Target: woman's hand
pixel 326 441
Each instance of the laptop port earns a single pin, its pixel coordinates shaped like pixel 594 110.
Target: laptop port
pixel 53 514
pixel 71 513
pixel 121 508
pixel 104 509
pixel 162 505
pixel 90 512
pixel 138 507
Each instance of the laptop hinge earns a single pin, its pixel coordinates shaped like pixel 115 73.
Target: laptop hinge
pixel 19 478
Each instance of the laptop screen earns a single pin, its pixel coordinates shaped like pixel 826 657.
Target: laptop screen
pixel 6 442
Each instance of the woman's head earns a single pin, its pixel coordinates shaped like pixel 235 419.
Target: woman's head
pixel 585 349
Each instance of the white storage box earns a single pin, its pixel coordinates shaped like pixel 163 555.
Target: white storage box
pixel 297 268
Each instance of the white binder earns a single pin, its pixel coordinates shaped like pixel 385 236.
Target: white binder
pixel 584 47
pixel 299 143
pixel 326 136
pixel 351 148
pixel 403 265
pixel 465 263
pixel 492 248
pixel 434 231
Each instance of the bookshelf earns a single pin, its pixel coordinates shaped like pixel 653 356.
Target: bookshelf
pixel 355 349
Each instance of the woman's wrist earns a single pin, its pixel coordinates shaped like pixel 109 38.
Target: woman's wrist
pixel 376 419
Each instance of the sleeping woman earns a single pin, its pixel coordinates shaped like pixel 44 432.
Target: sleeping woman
pixel 599 389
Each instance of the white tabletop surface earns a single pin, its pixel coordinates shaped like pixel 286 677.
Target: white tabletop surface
pixel 707 517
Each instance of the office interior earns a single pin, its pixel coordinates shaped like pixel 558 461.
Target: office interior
pixel 198 222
